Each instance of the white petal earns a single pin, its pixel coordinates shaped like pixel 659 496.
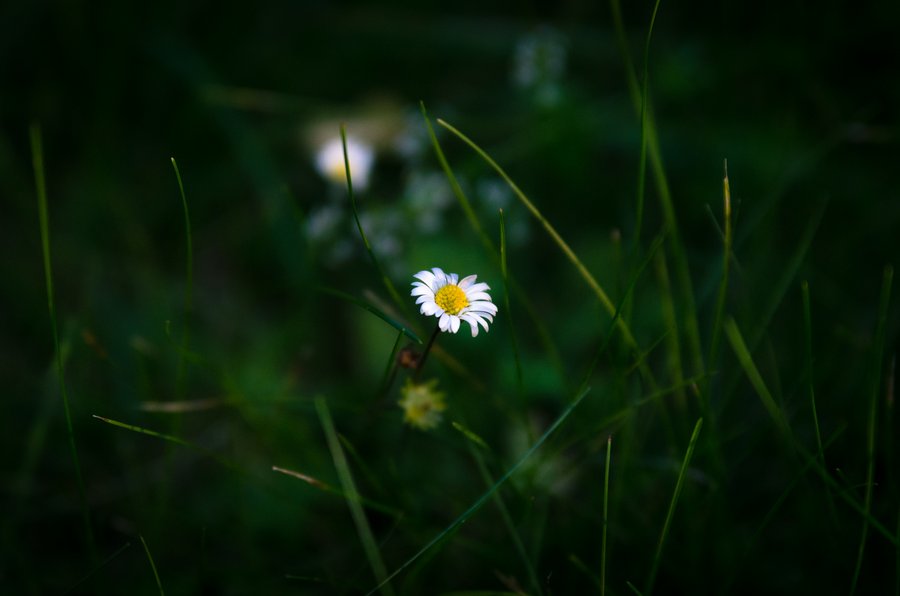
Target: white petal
pixel 421 299
pixel 454 324
pixel 475 296
pixel 425 276
pixel 454 279
pixel 479 287
pixel 467 281
pixel 444 322
pixel 430 308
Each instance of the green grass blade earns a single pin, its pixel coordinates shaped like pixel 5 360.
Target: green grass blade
pixel 543 333
pixel 605 516
pixel 722 294
pixel 642 163
pixel 468 513
pixel 97 568
pixel 551 231
pixel 506 303
pixel 37 160
pixel 657 557
pixel 746 362
pixel 170 439
pixel 349 486
pixel 875 382
pixel 327 488
pixel 682 273
pixel 388 284
pixel 501 507
pixel 811 389
pixel 366 306
pixel 390 369
pixel 189 283
pixel 152 565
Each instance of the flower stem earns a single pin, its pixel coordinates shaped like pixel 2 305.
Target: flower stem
pixel 437 329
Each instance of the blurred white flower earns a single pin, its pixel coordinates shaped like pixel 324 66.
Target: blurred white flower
pixel 444 296
pixel 330 162
pixel 539 64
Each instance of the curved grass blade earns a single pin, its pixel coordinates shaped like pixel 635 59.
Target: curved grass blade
pixel 504 271
pixel 723 283
pixel 170 439
pixel 875 385
pixel 678 486
pixel 325 487
pixel 642 164
pixel 501 506
pixel 746 362
pixel 384 278
pixel 682 272
pixel 808 363
pixel 366 306
pixel 37 160
pixel 459 521
pixel 152 565
pixel 189 284
pixel 349 486
pixel 548 227
pixel 538 322
pixel 97 568
pixel 605 516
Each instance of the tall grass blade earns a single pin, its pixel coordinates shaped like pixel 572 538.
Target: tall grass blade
pixel 170 439
pixel 746 362
pixel 605 516
pixel 875 383
pixel 152 565
pixel 811 389
pixel 671 513
pixel 506 303
pixel 468 513
pixel 538 322
pixel 366 306
pixel 189 283
pixel 327 488
pixel 401 304
pixel 349 486
pixel 548 227
pixel 722 294
pixel 37 160
pixel 642 164
pixel 97 568
pixel 504 512
pixel 679 258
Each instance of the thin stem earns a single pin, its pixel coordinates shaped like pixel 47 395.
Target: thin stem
pixel 434 334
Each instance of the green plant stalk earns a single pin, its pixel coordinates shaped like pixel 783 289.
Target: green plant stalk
pixel 152 566
pixel 349 486
pixel 384 278
pixel 746 362
pixel 366 306
pixel 189 285
pixel 723 283
pixel 507 520
pixel 390 370
pixel 539 325
pixel 642 164
pixel 682 273
pixel 671 513
pixel 875 384
pixel 504 271
pixel 479 503
pixel 569 253
pixel 808 363
pixel 605 516
pixel 37 160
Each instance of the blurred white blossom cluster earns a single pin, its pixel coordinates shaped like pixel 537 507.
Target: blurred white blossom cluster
pixel 539 64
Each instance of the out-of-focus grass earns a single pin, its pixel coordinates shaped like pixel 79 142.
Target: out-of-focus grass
pixel 719 327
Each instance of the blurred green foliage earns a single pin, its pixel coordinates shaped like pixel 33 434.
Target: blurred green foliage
pixel 802 100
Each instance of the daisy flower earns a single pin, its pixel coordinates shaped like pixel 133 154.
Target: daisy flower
pixel 444 296
pixel 330 162
pixel 422 404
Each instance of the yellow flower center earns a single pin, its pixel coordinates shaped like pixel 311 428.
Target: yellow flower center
pixel 451 298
